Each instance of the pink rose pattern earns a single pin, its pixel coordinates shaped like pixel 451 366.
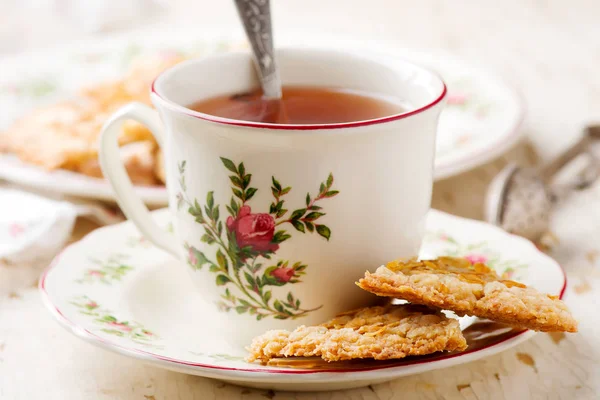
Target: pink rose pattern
pixel 91 305
pixel 111 325
pixel 476 258
pixel 15 230
pixel 466 101
pixel 192 259
pixel 253 230
pixel 247 241
pixel 457 99
pixel 124 327
pixel 283 275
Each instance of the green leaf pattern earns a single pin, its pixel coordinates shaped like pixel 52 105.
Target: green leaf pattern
pixel 112 325
pixel 247 242
pixel 107 271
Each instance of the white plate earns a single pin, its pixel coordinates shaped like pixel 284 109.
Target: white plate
pixel 482 117
pixel 117 291
pixel 480 122
pixel 62 181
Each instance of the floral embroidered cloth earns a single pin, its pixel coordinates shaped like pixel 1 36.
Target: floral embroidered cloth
pixel 33 229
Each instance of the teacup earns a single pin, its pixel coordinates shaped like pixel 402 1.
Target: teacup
pixel 275 223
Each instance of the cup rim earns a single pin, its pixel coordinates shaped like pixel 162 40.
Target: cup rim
pixel 173 106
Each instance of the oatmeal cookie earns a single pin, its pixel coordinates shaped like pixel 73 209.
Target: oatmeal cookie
pixel 469 289
pixel 380 333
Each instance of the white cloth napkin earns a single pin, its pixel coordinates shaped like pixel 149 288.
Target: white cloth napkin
pixel 34 228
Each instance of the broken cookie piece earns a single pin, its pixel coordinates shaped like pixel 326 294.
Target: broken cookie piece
pixel 380 333
pixel 458 285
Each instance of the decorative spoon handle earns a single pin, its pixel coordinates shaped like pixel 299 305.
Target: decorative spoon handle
pixel 256 17
pixel 588 175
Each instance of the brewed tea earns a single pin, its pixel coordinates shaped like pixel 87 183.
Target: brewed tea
pixel 302 105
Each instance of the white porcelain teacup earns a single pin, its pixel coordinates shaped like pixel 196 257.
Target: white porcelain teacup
pixel 356 193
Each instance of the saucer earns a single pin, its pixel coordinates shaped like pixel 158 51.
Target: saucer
pixel 117 291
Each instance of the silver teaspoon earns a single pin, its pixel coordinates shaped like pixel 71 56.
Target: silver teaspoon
pixel 256 18
pixel 520 200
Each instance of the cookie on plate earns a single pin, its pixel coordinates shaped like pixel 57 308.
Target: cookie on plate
pixel 62 135
pixel 469 289
pixel 65 135
pixel 380 333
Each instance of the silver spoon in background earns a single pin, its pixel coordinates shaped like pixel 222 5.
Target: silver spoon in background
pixel 520 200
pixel 256 18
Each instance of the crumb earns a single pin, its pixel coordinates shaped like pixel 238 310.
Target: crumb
pixel 582 288
pixel 557 337
pixel 527 360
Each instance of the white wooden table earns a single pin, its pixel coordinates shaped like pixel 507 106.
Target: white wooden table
pixel 550 50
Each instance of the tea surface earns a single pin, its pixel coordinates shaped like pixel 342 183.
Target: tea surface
pixel 301 105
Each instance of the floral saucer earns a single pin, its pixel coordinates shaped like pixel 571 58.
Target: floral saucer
pixel 117 291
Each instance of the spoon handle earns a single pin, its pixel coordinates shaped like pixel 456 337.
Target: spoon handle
pixel 591 133
pixel 256 17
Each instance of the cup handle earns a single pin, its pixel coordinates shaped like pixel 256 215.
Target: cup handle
pixel 112 167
